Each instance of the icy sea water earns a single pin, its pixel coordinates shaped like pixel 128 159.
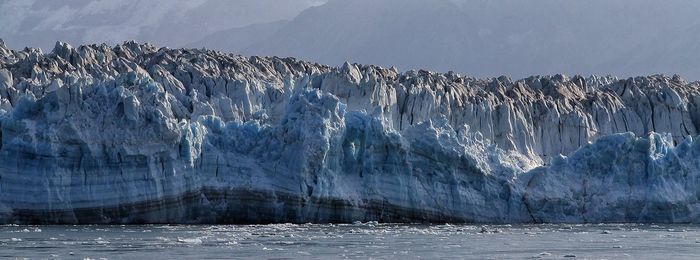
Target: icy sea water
pixel 362 241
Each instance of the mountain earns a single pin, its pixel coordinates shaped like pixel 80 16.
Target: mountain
pixel 235 40
pixel 494 37
pixel 483 38
pixel 40 23
pixel 135 133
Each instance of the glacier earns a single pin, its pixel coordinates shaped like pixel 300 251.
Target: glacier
pixel 134 133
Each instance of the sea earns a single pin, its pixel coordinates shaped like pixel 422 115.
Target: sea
pixel 351 241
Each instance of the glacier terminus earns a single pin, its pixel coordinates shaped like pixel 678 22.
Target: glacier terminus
pixel 134 133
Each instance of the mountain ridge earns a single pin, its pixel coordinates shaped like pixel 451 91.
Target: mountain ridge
pixel 483 38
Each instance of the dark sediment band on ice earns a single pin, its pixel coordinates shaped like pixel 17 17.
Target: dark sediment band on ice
pixel 235 207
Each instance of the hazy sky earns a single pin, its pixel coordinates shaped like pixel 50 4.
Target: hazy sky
pixel 481 38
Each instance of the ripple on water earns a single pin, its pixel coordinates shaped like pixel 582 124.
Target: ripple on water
pixel 362 240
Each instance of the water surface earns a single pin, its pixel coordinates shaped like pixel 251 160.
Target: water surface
pixel 367 240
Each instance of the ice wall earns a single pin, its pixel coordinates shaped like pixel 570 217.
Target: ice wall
pixel 138 134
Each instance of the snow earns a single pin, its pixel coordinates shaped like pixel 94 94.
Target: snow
pixel 135 133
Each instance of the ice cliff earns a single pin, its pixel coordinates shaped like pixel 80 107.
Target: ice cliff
pixel 138 134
